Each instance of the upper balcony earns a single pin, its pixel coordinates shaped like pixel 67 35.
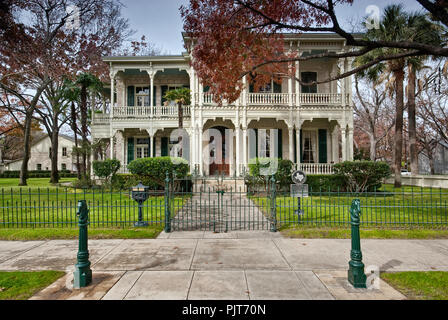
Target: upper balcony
pixel 254 101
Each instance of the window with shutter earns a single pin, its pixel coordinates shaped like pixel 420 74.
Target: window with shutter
pixel 130 150
pixel 280 144
pixel 131 97
pixel 322 146
pixel 164 149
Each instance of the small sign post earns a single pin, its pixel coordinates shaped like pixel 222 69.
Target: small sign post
pixel 299 189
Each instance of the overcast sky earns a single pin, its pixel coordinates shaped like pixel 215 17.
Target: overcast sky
pixel 161 22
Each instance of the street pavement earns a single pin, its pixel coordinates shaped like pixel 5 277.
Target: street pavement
pixel 224 266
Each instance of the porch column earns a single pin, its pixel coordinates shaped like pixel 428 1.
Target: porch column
pixel 151 143
pixel 112 146
pixel 201 147
pixel 350 145
pixel 237 150
pixel 298 137
pixel 344 143
pixel 297 83
pixel 343 81
pixel 244 92
pixel 193 149
pixel 245 147
pixel 290 96
pixel 201 94
pixel 112 93
pixel 151 98
pixel 291 143
pixel 335 145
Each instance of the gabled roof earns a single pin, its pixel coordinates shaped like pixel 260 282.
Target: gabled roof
pixel 44 136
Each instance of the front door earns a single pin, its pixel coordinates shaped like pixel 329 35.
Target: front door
pixel 219 159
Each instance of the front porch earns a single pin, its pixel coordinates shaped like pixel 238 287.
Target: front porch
pixel 221 148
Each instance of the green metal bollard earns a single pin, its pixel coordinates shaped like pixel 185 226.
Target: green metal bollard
pixel 167 204
pixel 83 273
pixel 273 192
pixel 356 275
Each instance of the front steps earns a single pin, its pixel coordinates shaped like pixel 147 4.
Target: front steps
pixel 214 184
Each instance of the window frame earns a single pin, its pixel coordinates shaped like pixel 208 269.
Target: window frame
pixel 138 146
pixel 144 96
pixel 313 133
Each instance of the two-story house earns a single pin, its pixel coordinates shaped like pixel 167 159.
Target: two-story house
pixel 310 125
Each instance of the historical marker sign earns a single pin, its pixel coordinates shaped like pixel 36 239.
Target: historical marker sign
pixel 299 189
pixel 299 177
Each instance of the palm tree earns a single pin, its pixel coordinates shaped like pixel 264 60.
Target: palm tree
pixel 392 27
pixel 397 25
pixel 424 31
pixel 182 97
pixel 87 82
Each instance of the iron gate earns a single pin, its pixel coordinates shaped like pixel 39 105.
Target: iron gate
pixel 219 208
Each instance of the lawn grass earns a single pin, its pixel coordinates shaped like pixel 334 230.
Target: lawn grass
pixel 432 285
pixel 393 207
pixel 32 182
pixel 23 285
pixel 345 233
pixel 25 234
pixel 57 207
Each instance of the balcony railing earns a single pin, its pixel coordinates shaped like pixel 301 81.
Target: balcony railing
pixel 268 98
pixel 320 98
pixel 258 99
pixel 315 168
pixel 143 112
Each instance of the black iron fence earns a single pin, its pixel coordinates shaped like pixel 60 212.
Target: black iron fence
pixel 223 208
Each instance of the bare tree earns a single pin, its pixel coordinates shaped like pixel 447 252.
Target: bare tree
pixel 373 114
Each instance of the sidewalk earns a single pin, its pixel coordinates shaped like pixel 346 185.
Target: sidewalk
pixel 237 265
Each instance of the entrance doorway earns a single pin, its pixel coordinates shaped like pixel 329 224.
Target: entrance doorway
pixel 219 159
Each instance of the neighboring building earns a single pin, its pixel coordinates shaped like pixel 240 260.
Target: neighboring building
pixel 314 124
pixel 40 155
pixel 440 160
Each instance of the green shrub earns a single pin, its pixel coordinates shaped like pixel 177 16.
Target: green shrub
pixel 326 182
pixel 261 169
pixel 361 176
pixel 152 171
pixel 106 169
pixel 124 181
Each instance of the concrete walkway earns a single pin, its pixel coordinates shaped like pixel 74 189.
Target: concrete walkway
pixel 228 212
pixel 237 265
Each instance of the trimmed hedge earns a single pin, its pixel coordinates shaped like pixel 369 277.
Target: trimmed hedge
pixel 361 176
pixel 349 176
pixel 326 182
pixel 260 173
pixel 106 169
pixel 152 171
pixel 37 174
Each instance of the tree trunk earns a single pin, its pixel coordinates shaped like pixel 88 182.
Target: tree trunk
pixel 84 129
pixel 372 147
pixel 412 122
pixel 398 151
pixel 431 162
pixel 75 131
pixel 54 156
pixel 27 148
pixel 181 115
